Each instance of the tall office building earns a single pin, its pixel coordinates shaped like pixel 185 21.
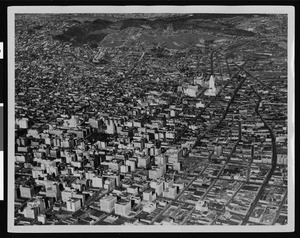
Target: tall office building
pixel 149 195
pixel 158 186
pixel 107 203
pixel 123 207
pixel 73 204
pixel 52 190
pixel 26 191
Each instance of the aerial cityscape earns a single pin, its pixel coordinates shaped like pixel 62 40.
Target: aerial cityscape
pixel 151 119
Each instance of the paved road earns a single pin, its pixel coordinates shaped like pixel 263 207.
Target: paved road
pixel 210 102
pixel 250 163
pixel 169 205
pixel 234 147
pixel 274 162
pixel 178 196
pixel 232 151
pixel 259 81
pixel 223 117
pixel 280 207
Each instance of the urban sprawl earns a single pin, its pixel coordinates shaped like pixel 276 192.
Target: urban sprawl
pixel 150 120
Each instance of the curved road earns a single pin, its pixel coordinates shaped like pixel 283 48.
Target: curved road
pixel 274 161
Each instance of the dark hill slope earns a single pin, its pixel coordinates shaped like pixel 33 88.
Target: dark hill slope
pixel 95 31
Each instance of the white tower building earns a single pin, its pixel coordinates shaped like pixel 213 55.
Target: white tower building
pixel 212 91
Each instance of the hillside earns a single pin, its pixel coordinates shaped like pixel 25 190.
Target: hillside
pixel 96 30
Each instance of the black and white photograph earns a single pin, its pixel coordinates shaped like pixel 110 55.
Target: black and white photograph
pixel 151 118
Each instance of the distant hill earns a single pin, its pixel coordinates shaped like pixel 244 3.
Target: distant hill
pixel 96 30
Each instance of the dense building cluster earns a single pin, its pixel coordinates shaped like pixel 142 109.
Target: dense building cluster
pixel 125 135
